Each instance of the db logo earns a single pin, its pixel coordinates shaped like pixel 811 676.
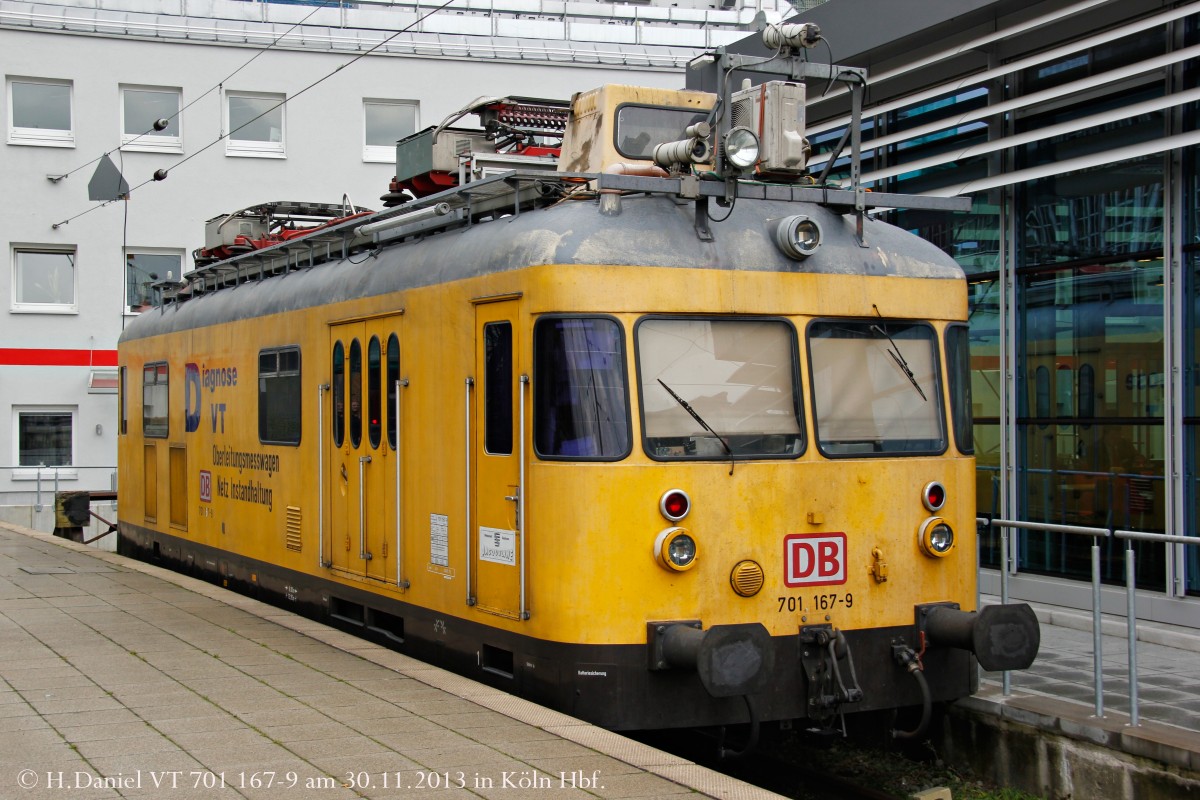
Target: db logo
pixel 814 558
pixel 205 486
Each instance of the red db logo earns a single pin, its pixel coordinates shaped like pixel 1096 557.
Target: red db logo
pixel 814 559
pixel 205 486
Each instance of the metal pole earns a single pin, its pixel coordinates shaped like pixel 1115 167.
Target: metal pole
pixel 37 503
pixel 1006 678
pixel 1131 626
pixel 1097 634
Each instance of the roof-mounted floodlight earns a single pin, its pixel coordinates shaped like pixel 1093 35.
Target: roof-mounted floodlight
pixel 793 35
pixel 696 149
pixel 741 148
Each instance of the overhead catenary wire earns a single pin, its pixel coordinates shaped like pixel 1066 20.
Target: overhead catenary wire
pixel 123 145
pixel 160 174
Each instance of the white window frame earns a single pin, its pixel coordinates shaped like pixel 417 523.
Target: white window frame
pixel 385 154
pixel 150 251
pixel 69 472
pixel 21 307
pixel 152 142
pixel 40 137
pixel 247 148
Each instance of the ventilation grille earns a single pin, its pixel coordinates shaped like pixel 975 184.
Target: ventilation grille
pixel 741 114
pixel 746 578
pixel 292 528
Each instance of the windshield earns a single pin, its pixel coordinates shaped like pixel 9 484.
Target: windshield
pixel 715 389
pixel 876 388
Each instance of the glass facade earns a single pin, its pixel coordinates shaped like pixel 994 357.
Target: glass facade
pixel 1082 255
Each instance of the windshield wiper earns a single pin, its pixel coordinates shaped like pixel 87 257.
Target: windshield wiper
pixel 698 418
pixel 900 362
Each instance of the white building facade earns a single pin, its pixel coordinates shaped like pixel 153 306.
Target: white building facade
pixel 87 80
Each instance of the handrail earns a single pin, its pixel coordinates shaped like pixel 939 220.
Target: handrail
pixel 1097 534
pixel 74 469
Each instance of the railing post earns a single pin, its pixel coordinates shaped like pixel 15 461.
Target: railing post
pixel 1006 677
pixel 1131 626
pixel 37 503
pixel 1097 634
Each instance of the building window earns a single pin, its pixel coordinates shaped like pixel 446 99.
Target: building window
pixel 44 437
pixel 154 400
pixel 255 125
pixel 142 269
pixel 279 395
pixel 39 112
pixel 384 123
pixel 44 280
pixel 141 108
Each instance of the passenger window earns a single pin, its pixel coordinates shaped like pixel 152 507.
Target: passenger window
pixel 154 400
pixel 374 400
pixel 498 388
pixel 393 378
pixel 339 394
pixel 355 393
pixel 279 396
pixel 958 361
pixel 580 396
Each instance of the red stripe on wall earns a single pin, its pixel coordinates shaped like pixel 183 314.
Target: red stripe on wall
pixel 35 357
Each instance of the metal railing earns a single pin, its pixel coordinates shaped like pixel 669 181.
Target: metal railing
pixel 1097 534
pixel 48 479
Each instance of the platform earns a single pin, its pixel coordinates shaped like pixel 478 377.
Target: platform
pixel 1045 737
pixel 119 679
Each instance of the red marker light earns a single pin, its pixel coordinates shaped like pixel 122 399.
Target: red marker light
pixel 675 504
pixel 934 496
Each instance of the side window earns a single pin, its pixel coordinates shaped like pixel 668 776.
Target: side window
pixel 580 392
pixel 339 394
pixel 958 362
pixel 39 112
pixel 374 399
pixel 154 400
pixel 123 400
pixel 393 379
pixel 279 395
pixel 355 393
pixel 498 388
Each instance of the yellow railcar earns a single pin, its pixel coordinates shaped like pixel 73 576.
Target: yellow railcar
pixel 562 433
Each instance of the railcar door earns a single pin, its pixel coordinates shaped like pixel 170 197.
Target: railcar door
pixel 497 556
pixel 360 473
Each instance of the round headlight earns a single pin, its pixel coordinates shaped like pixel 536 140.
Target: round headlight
pixel 675 549
pixel 936 537
pixel 741 148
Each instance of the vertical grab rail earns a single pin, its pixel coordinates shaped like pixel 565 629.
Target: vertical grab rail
pixel 321 562
pixel 362 508
pixel 524 381
pixel 400 582
pixel 467 495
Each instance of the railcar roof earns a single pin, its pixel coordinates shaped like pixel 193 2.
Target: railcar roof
pixel 652 230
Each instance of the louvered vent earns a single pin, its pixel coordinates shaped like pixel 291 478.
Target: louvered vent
pixel 746 578
pixel 741 114
pixel 292 529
